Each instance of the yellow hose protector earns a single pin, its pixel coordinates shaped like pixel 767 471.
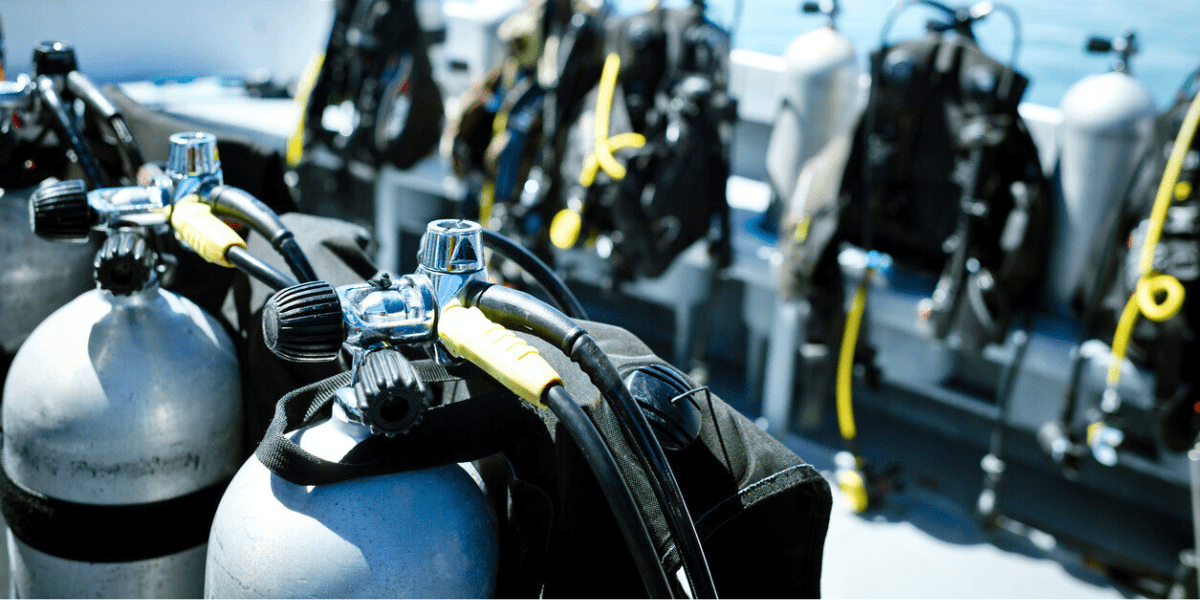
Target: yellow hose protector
pixel 468 334
pixel 1151 285
pixel 845 371
pixel 602 155
pixel 308 81
pixel 565 228
pixel 204 233
pixel 854 490
pixel 487 199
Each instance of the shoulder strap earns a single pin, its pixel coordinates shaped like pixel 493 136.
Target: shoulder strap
pixel 461 431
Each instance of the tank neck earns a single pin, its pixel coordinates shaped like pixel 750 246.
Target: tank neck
pixel 346 415
pixel 149 293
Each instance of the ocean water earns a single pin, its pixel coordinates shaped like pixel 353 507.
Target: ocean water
pixel 1053 35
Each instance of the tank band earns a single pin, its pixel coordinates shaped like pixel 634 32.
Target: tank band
pixel 100 533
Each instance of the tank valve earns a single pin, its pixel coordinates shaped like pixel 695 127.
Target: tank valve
pixel 125 264
pixel 193 163
pixel 310 322
pixel 54 58
pixel 59 211
pixel 304 323
pixel 1123 47
pixel 451 255
pixel 390 396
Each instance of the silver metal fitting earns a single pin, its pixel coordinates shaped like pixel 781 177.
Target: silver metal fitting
pixel 451 256
pixel 193 163
pixel 401 312
pixel 131 205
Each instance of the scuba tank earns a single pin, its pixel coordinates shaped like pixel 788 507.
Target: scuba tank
pixel 820 86
pixel 385 396
pixel 123 412
pixel 1107 122
pixel 37 277
pixel 426 532
pixel 122 422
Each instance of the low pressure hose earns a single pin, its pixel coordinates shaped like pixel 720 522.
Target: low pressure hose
pixel 234 203
pixel 517 310
pixel 468 334
pixel 255 267
pixel 567 224
pixel 845 370
pixel 852 481
pixel 65 128
pixel 214 241
pixel 95 99
pixel 540 271
pixel 616 490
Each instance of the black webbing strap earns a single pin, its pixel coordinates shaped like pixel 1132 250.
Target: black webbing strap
pixel 467 430
pixel 101 533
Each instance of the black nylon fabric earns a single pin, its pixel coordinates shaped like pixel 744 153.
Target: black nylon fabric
pixel 100 533
pixel 762 513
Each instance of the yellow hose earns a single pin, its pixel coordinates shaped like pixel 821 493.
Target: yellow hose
pixel 1151 284
pixel 845 408
pixel 295 142
pixel 602 155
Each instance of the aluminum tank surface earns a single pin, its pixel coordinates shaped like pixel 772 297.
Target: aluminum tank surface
pixel 36 276
pixel 122 420
pixel 820 89
pixel 1107 122
pixel 421 534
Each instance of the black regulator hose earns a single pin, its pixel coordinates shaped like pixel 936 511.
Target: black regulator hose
pixel 519 311
pixel 539 270
pixel 84 89
pixel 616 490
pixel 64 126
pixel 234 203
pixel 253 266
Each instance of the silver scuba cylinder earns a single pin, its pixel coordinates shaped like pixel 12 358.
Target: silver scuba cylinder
pixel 122 422
pixel 36 276
pixel 820 89
pixel 426 533
pixel 122 411
pixel 420 534
pixel 1107 122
